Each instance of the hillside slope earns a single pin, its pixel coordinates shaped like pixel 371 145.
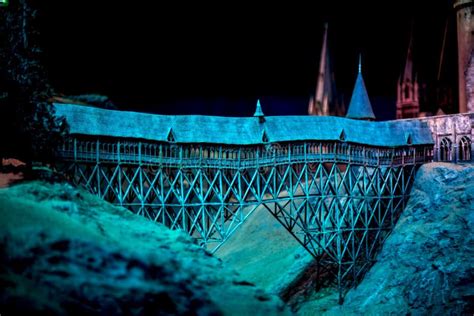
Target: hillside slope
pixel 64 251
pixel 265 253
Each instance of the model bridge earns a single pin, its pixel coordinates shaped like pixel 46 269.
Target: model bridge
pixel 337 185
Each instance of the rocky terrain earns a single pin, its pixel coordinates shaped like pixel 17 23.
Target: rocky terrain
pixel 64 251
pixel 426 266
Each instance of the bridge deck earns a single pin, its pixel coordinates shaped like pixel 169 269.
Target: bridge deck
pixel 221 157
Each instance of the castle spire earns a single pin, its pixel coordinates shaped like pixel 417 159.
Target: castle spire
pixel 322 66
pixel 407 88
pixel 319 105
pixel 259 113
pixel 408 73
pixel 360 107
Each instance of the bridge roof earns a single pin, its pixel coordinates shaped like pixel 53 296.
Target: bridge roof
pixel 92 121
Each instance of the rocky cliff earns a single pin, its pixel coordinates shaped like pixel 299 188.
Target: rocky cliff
pixel 64 251
pixel 426 266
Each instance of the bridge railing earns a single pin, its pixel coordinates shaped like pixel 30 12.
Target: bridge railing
pixel 212 156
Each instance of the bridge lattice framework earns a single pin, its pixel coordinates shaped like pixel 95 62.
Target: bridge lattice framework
pixel 339 200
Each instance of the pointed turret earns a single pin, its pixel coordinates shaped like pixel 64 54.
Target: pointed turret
pixel 259 113
pixel 311 106
pixel 319 104
pixel 360 107
pixel 321 96
pixel 407 89
pixel 408 73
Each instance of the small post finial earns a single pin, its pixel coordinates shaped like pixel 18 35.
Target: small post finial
pixel 360 63
pixel 259 112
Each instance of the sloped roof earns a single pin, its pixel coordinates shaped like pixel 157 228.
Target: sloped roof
pixel 238 130
pixel 360 107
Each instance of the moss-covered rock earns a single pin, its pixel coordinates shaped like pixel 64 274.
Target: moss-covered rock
pixel 64 251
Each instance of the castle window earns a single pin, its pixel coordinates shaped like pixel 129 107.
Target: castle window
pixel 465 149
pixel 445 149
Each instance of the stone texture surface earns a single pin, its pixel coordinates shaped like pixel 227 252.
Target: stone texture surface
pixel 450 124
pixel 426 266
pixel 452 128
pixel 265 253
pixel 64 251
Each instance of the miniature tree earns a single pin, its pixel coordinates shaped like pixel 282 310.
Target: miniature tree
pixel 30 130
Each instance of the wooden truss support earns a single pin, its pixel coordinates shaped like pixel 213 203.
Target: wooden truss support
pixel 340 204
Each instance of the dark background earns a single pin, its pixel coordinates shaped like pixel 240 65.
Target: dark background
pixel 218 59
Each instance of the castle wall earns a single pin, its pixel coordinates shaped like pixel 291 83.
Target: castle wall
pixel 453 136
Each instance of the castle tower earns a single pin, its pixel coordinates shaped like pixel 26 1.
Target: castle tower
pixel 325 100
pixel 360 107
pixel 465 33
pixel 408 105
pixel 319 104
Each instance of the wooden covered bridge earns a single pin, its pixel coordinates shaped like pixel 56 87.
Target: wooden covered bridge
pixel 336 184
